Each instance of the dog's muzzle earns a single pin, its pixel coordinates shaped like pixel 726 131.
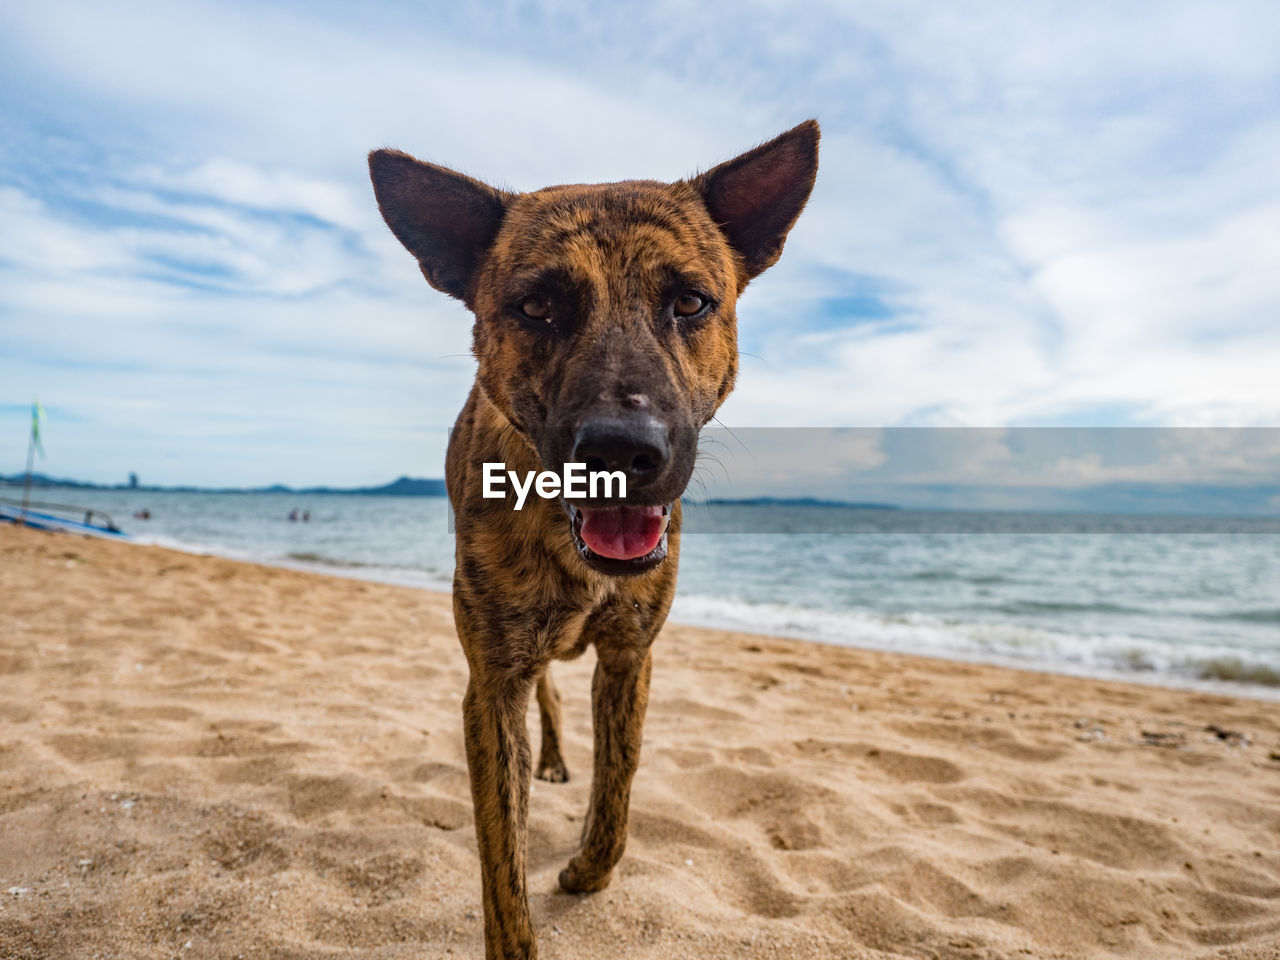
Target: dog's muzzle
pixel 628 537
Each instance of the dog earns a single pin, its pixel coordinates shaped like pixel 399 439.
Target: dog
pixel 606 335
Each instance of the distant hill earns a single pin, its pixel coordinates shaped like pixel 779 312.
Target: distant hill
pixel 402 487
pixel 801 502
pixel 40 480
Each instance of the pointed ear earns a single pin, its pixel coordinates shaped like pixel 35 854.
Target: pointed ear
pixel 445 219
pixel 757 197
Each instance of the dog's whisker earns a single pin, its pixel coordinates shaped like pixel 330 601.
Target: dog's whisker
pixel 729 430
pixel 702 456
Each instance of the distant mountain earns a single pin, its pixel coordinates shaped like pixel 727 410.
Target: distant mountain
pixel 801 502
pixel 40 480
pixel 402 487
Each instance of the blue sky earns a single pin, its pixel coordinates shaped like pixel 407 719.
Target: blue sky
pixel 1027 214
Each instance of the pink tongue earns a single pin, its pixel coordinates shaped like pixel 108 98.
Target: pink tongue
pixel 622 533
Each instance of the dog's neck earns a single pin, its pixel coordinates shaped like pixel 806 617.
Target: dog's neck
pixel 498 433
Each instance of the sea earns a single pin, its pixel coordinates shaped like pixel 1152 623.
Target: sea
pixel 1172 601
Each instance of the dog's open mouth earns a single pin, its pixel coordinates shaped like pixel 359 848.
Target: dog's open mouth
pixel 621 540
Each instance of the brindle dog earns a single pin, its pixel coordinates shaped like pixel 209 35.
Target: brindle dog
pixel 606 334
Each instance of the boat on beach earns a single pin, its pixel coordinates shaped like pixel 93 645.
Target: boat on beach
pixel 59 516
pixel 40 515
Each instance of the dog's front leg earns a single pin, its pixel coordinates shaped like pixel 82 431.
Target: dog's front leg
pixel 497 743
pixel 619 696
pixel 550 760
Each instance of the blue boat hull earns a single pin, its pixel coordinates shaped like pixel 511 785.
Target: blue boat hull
pixel 47 521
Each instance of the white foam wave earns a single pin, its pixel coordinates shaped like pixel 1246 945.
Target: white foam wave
pixel 1113 656
pixel 398 576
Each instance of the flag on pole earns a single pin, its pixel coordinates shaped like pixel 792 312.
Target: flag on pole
pixel 37 414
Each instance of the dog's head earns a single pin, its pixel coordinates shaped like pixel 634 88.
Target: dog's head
pixel 605 326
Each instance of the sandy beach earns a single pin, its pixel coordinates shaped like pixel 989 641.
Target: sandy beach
pixel 203 758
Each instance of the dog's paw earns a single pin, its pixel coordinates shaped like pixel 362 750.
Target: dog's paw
pixel 578 878
pixel 552 770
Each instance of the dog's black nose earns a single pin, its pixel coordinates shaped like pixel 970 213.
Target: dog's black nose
pixel 638 446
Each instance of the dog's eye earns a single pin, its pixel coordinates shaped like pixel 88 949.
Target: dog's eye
pixel 536 308
pixel 689 304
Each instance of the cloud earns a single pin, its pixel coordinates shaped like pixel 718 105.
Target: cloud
pixel 1041 215
pixel 1003 468
pixel 222 345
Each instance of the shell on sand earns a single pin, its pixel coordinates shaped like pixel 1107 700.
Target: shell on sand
pixel 203 758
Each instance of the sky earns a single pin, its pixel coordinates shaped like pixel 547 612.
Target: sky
pixel 1027 214
pixel 1106 469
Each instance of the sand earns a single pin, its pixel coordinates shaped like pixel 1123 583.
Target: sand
pixel 203 758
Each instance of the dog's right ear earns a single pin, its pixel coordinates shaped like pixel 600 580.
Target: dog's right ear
pixel 444 218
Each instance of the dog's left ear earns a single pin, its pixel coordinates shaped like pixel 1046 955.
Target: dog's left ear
pixel 757 197
pixel 444 218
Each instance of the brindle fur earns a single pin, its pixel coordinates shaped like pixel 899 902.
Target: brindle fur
pixel 609 258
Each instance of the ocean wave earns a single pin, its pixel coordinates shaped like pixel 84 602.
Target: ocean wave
pixel 1236 670
pixel 1265 615
pixel 308 556
pixel 1111 655
pixel 981 580
pixel 1235 650
pixel 309 561
pixel 1035 607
